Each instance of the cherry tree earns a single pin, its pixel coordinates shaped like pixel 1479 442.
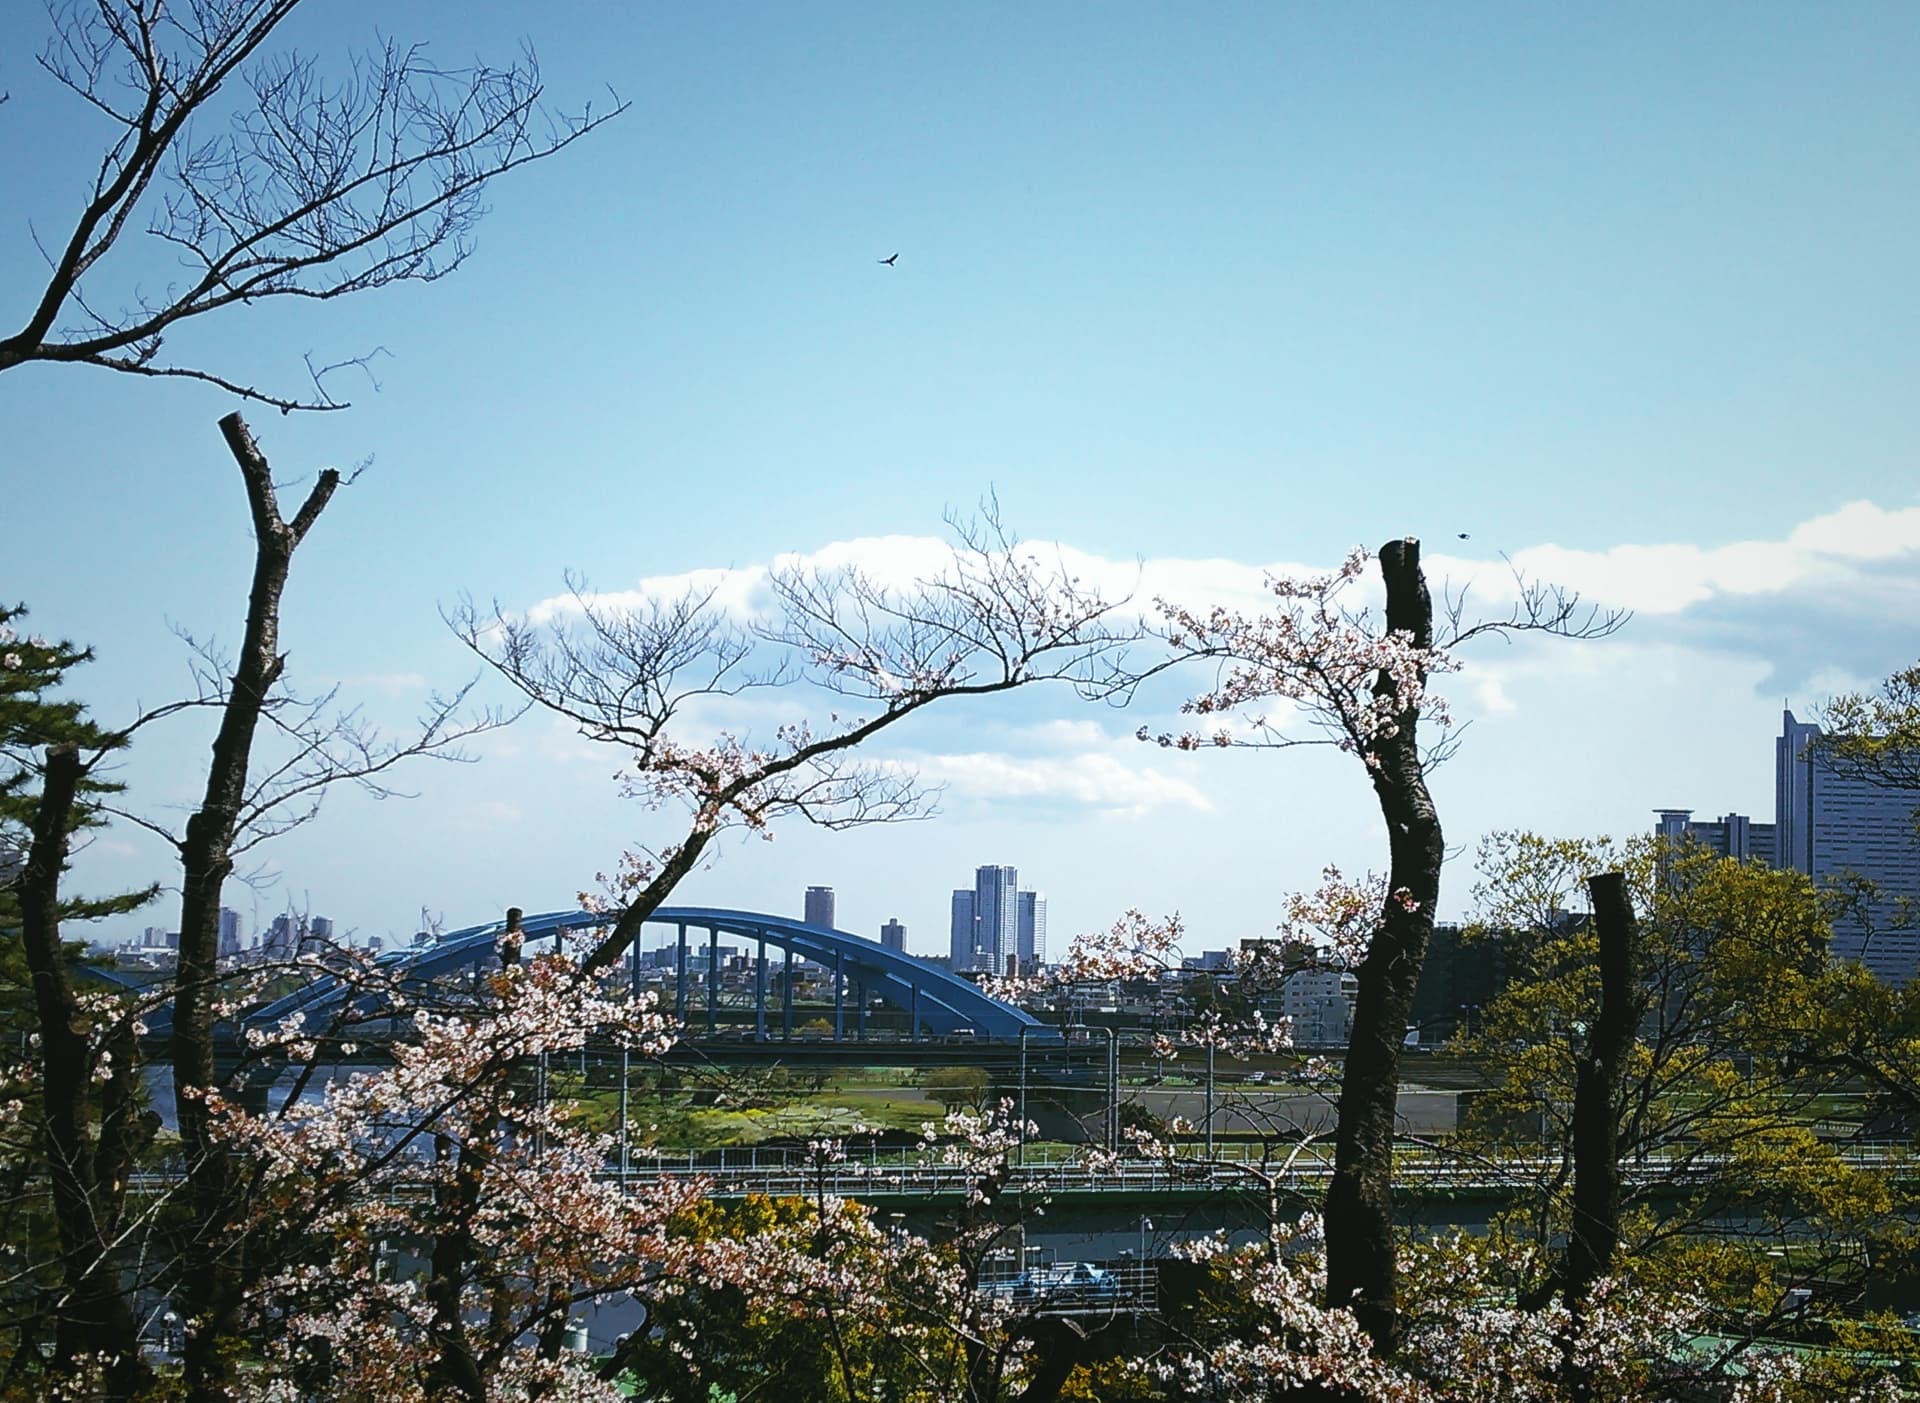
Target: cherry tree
pixel 1319 669
pixel 994 614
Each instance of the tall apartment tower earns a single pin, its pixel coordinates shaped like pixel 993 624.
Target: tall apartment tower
pixel 1828 823
pixel 996 916
pixel 1032 947
pixel 893 936
pixel 229 933
pixel 819 910
pixel 960 942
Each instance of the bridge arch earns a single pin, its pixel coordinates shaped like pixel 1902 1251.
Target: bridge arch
pixel 936 1001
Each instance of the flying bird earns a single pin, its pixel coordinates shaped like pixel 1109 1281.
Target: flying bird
pixel 890 260
pixel 1462 535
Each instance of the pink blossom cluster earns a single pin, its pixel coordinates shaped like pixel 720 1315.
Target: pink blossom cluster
pixel 1351 679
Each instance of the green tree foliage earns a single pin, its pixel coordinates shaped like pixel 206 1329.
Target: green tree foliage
pixel 1878 734
pixel 1734 1187
pixel 959 1088
pixel 73 1119
pixel 34 715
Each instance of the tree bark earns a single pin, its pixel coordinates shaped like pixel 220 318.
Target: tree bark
pixel 92 1316
pixel 1361 1273
pixel 1597 1074
pixel 215 1262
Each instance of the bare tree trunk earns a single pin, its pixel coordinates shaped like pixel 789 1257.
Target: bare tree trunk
pixel 1597 1074
pixel 215 1260
pixel 1359 1207
pixel 92 1317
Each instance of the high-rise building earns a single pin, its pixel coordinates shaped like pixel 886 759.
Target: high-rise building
pixel 1830 823
pixel 893 936
pixel 996 917
pixel 1032 946
pixel 280 941
pixel 960 944
pixel 319 932
pixel 229 933
pixel 819 908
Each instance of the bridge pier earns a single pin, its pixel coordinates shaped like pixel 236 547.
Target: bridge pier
pixel 839 997
pixel 713 978
pixel 680 980
pixel 760 992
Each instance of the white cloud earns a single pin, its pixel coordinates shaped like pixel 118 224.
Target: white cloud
pixel 1666 579
pixel 1822 598
pixel 1090 778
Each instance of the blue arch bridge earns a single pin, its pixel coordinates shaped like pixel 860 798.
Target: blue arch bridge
pixel 937 1004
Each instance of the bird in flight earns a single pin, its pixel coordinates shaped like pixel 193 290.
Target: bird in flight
pixel 1462 535
pixel 890 260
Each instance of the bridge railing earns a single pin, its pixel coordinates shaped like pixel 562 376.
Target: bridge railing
pixel 781 1173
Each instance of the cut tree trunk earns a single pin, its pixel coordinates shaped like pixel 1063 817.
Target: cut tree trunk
pixel 1596 1094
pixel 215 1257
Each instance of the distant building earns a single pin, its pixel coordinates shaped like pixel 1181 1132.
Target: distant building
pixel 1211 961
pixel 893 936
pixel 996 917
pixel 1734 835
pixel 1459 979
pixel 1032 940
pixel 1830 824
pixel 819 908
pixel 1320 1004
pixel 281 939
pixel 319 933
pixel 960 942
pixel 229 933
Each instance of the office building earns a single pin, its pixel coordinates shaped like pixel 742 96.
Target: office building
pixel 319 932
pixel 1830 824
pixel 1032 944
pixel 819 907
pixel 893 936
pixel 229 933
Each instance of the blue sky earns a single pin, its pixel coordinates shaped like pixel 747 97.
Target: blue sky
pixel 1241 284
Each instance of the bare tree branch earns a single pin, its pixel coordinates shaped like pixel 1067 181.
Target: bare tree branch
pixel 317 188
